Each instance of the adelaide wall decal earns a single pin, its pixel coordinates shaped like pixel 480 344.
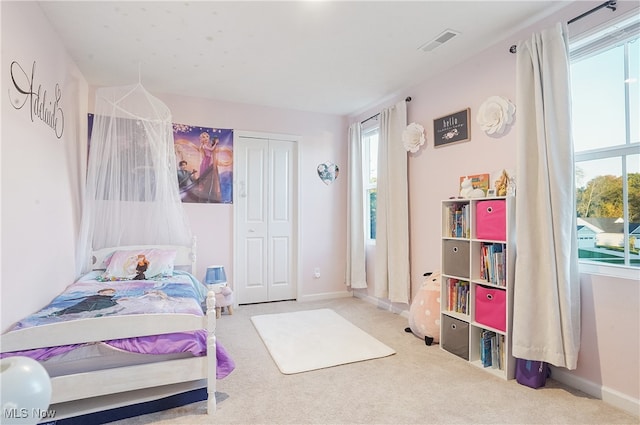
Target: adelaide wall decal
pixel 23 92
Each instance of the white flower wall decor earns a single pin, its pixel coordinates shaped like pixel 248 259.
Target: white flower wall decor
pixel 495 114
pixel 413 137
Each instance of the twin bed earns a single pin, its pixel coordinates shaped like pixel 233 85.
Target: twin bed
pixel 118 336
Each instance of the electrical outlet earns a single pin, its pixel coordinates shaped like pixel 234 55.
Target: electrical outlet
pixel 316 272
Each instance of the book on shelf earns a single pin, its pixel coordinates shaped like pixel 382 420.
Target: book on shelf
pixel 493 264
pixel 458 295
pixel 501 352
pixel 457 220
pixel 495 348
pixel 491 349
pixel 485 348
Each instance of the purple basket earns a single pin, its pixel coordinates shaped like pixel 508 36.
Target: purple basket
pixel 532 373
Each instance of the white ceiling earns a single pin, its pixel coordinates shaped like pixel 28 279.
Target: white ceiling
pixel 335 57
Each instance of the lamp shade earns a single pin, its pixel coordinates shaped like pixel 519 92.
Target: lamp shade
pixel 25 391
pixel 215 275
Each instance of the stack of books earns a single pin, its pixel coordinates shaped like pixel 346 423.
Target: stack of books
pixel 492 349
pixel 493 263
pixel 458 220
pixel 458 292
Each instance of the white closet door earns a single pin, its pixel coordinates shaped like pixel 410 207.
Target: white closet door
pixel 265 204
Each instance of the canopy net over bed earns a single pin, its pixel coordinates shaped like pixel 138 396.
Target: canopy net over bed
pixel 132 193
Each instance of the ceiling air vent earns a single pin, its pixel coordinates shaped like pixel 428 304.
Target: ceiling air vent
pixel 439 40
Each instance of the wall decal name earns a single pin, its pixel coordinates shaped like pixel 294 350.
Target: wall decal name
pixel 48 111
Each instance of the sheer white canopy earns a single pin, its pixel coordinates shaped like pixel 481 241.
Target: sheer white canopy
pixel 131 195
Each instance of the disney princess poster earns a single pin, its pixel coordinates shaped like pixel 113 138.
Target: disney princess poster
pixel 204 159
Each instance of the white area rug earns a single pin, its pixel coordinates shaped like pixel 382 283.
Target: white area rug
pixel 315 339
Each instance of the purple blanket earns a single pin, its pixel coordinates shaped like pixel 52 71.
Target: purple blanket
pixel 90 298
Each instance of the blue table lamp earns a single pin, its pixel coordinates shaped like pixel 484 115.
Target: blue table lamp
pixel 216 276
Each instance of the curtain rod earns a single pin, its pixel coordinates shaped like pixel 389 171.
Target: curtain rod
pixel 610 4
pixel 408 99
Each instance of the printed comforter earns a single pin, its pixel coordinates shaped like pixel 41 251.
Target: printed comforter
pixel 90 298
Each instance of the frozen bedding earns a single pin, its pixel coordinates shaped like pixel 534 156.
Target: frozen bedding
pixel 92 297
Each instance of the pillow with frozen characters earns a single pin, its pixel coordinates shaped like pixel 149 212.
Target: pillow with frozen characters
pixel 123 265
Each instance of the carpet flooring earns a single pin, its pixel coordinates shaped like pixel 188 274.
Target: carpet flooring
pixel 417 385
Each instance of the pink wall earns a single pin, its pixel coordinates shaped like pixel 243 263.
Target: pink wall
pixel 41 173
pixel 434 173
pixel 610 305
pixel 321 207
pixel 610 333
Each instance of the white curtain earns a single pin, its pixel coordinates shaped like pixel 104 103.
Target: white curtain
pixel 392 218
pixel 546 310
pixel 131 193
pixel 356 259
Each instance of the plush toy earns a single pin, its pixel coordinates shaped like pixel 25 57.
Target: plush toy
pixel 501 184
pixel 468 191
pixel 424 313
pixel 466 187
pixel 477 193
pixel 224 299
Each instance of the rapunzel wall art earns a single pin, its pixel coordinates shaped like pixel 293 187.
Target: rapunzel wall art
pixel 205 163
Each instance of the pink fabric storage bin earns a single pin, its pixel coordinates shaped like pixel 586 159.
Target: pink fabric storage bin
pixel 491 307
pixel 491 220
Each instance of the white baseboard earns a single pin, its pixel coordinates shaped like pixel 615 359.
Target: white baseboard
pixel 325 296
pixel 382 304
pixel 608 395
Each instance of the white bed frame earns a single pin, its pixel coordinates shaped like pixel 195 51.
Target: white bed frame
pixel 89 392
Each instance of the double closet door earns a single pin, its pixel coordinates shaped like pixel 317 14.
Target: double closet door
pixel 266 210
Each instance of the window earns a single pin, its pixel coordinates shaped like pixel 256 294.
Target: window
pixel 370 166
pixel 605 120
